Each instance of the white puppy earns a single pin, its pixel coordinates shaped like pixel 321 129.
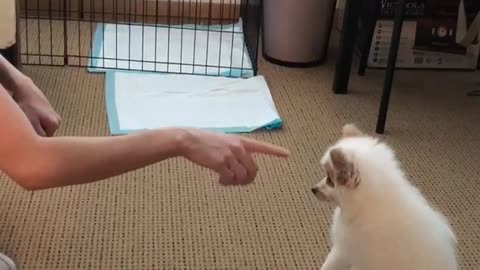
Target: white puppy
pixel 381 221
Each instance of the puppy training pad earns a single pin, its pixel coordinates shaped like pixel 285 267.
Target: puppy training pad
pixel 190 49
pixel 141 100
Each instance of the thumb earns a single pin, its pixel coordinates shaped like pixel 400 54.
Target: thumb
pixel 50 125
pixel 255 146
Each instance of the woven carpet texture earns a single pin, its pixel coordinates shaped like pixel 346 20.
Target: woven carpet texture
pixel 174 215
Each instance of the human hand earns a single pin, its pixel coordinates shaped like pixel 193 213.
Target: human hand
pixel 36 107
pixel 230 156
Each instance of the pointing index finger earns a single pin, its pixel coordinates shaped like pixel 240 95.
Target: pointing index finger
pixel 255 146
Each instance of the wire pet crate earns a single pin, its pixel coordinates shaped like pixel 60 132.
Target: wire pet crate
pixel 207 37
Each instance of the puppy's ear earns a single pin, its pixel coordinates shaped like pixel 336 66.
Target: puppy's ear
pixel 338 158
pixel 351 130
pixel 344 169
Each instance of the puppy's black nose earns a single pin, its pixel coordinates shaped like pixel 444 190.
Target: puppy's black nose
pixel 314 190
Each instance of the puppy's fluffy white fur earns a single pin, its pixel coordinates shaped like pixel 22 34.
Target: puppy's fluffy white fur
pixel 381 221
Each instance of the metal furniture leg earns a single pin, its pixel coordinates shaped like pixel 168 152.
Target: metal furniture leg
pixel 392 59
pixel 370 29
pixel 347 45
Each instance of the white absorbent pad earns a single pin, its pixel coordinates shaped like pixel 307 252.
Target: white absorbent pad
pixel 146 100
pixel 191 49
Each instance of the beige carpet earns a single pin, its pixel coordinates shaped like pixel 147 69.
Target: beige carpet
pixel 175 216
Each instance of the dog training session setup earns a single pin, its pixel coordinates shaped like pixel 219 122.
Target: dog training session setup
pixel 234 134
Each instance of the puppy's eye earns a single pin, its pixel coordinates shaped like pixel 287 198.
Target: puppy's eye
pixel 329 181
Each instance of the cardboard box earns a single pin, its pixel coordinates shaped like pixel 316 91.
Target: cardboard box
pixel 408 57
pixel 421 45
pixel 414 9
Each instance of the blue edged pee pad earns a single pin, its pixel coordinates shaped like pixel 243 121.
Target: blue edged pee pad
pixel 188 49
pixel 145 100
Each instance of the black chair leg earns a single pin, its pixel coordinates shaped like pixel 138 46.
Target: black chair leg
pixel 347 45
pixel 362 66
pixel 368 40
pixel 392 59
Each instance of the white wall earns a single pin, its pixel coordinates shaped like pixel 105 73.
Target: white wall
pixel 7 23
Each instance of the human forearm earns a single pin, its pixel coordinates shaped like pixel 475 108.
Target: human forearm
pixel 37 162
pixel 63 161
pixel 32 101
pixel 10 77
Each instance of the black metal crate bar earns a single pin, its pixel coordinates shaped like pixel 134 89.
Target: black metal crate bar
pixel 62 32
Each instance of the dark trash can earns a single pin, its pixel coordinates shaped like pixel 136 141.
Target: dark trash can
pixel 296 33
